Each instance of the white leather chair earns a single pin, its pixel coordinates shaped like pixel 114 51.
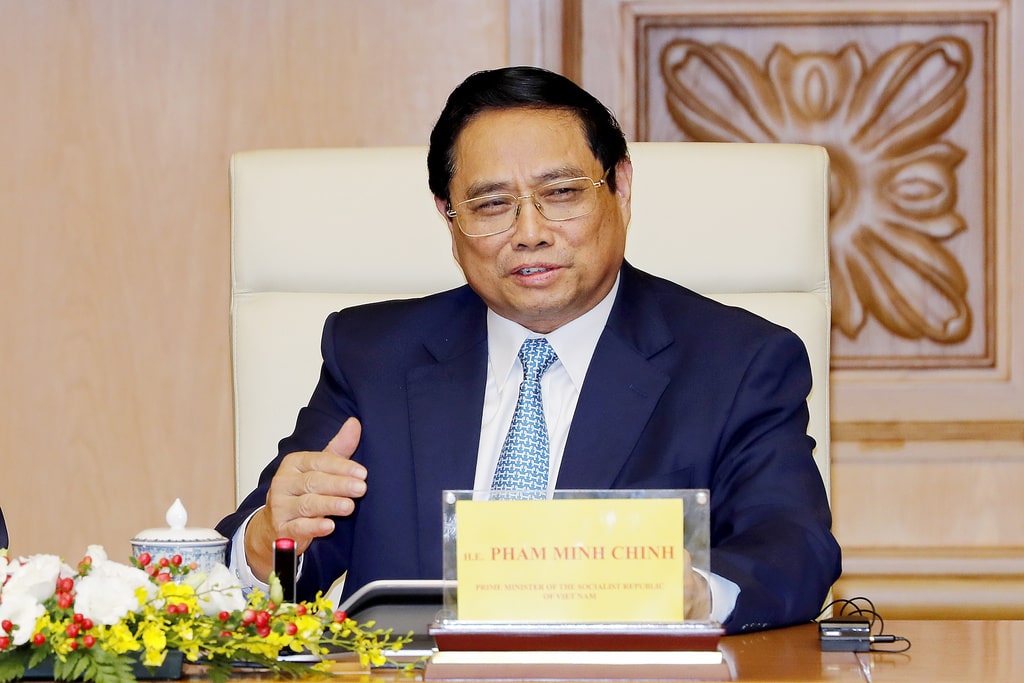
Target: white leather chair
pixel 316 230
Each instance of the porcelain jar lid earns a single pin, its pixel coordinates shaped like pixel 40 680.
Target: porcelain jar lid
pixel 177 532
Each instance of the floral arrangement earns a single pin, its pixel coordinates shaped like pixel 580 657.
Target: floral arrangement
pixel 98 621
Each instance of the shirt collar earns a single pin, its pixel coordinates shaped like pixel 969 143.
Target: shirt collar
pixel 574 342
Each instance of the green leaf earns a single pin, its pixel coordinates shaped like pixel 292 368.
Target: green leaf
pixel 219 671
pixel 110 668
pixel 62 668
pixel 12 665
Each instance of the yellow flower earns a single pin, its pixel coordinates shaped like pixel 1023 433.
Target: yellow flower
pixel 43 624
pixel 175 615
pixel 179 594
pixel 266 647
pixel 155 641
pixel 118 639
pixel 184 632
pixel 62 648
pixel 309 627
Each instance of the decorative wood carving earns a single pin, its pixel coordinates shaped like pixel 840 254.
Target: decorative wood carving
pixel 927 440
pixel 905 110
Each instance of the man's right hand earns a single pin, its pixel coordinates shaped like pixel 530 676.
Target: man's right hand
pixel 309 487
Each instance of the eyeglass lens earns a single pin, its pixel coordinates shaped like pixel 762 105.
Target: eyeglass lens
pixel 560 201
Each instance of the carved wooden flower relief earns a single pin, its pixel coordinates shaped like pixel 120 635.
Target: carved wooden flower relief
pixel 894 184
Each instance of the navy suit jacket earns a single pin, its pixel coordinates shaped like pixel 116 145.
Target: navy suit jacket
pixel 682 392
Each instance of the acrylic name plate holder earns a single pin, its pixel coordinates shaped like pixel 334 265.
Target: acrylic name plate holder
pixel 589 584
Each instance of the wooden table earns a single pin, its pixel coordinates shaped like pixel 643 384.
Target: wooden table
pixel 975 651
pixel 941 652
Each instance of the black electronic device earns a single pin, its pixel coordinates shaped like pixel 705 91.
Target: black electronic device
pixel 845 634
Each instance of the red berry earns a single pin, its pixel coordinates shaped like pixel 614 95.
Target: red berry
pixel 263 631
pixel 164 562
pixel 262 619
pixel 340 616
pixel 225 634
pixel 248 616
pixel 39 639
pixel 176 560
pixel 66 584
pixel 291 629
pixel 88 641
pixel 5 642
pixel 224 616
pixel 77 617
pixel 300 609
pixel 145 558
pixel 163 577
pixel 7 625
pixel 72 630
pixel 64 600
pixel 73 645
pixel 87 624
pixel 193 566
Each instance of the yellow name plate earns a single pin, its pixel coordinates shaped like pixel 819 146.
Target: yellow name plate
pixel 616 560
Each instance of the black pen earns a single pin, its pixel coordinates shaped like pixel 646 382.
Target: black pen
pixel 285 567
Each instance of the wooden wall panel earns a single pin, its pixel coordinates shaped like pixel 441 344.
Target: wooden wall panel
pixel 117 123
pixel 116 127
pixel 918 103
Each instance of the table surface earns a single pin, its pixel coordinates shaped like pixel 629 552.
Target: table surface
pixel 941 652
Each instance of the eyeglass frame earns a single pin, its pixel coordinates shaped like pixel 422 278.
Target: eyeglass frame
pixel 453 214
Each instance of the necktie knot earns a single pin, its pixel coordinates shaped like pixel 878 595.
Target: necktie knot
pixel 537 356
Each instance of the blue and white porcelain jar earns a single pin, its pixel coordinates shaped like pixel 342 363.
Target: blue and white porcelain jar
pixel 204 547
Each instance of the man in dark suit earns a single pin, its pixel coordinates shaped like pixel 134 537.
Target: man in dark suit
pixel 651 386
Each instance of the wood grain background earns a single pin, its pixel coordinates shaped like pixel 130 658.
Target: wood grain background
pixel 117 120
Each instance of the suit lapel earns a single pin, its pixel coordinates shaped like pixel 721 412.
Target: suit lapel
pixel 621 390
pixel 445 397
pixel 445 411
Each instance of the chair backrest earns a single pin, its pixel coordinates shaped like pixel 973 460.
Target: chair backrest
pixel 316 230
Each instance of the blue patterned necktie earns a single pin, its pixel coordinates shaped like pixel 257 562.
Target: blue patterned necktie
pixel 525 456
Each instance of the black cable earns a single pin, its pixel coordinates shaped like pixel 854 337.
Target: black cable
pixel 861 607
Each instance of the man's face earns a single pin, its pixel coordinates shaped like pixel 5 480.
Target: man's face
pixel 541 273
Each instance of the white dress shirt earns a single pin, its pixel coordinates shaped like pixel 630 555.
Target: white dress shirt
pixel 574 343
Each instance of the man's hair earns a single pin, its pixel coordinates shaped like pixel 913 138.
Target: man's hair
pixel 523 87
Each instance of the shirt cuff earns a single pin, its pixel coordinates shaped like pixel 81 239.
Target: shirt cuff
pixel 723 597
pixel 237 562
pixel 239 565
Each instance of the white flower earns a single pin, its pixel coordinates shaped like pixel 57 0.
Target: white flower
pixel 36 576
pixel 219 591
pixel 97 552
pixel 24 611
pixel 109 591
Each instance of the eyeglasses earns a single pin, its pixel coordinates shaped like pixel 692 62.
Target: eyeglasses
pixel 493 214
